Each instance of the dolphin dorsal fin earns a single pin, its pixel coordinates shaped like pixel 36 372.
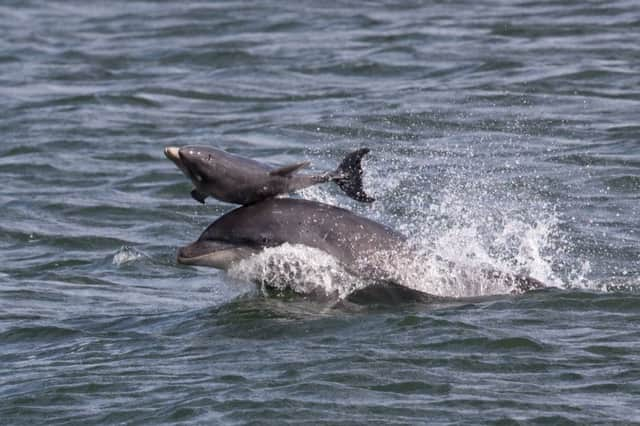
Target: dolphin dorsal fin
pixel 288 170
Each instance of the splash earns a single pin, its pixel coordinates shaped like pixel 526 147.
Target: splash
pixel 126 255
pixel 301 269
pixel 465 220
pixel 319 193
pixel 468 230
pixel 309 271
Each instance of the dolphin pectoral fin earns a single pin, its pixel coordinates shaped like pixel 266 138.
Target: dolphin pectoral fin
pixel 348 176
pixel 285 171
pixel 198 196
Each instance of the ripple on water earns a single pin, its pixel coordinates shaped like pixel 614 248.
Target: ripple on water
pixel 41 334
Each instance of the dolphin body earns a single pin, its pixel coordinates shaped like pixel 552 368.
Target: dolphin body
pixel 364 247
pixel 240 180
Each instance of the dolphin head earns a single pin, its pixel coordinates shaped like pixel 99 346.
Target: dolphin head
pixel 235 236
pixel 215 254
pixel 220 174
pixel 198 163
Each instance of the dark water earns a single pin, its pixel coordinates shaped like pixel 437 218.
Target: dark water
pixel 502 133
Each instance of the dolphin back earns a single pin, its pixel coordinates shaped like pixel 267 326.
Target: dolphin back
pixel 275 221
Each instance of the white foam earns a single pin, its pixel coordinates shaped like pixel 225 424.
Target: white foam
pixel 127 254
pixel 302 269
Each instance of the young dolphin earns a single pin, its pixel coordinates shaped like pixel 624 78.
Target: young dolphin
pixel 240 180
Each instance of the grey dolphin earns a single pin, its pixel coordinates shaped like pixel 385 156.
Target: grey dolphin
pixel 363 246
pixel 240 180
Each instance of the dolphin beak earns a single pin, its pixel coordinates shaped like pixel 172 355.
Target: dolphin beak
pixel 172 153
pixel 214 254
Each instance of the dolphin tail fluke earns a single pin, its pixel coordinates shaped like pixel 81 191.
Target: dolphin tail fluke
pixel 348 176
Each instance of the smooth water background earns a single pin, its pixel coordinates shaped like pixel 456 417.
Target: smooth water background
pixel 502 133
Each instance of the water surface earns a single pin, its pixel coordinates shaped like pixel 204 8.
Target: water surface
pixel 502 134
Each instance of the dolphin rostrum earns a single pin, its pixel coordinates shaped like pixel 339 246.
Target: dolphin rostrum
pixel 364 247
pixel 240 180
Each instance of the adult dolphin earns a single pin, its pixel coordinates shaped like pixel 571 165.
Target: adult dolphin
pixel 364 247
pixel 241 180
